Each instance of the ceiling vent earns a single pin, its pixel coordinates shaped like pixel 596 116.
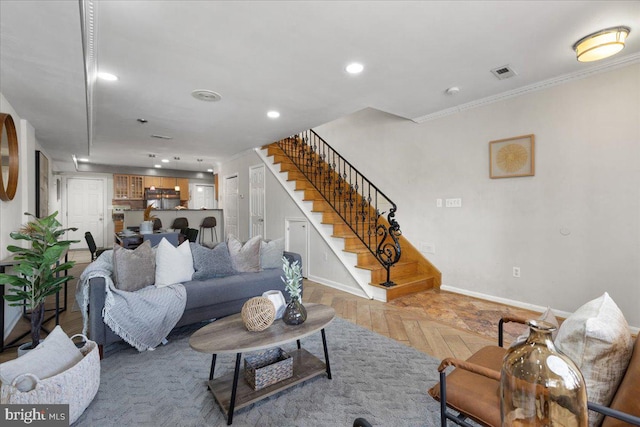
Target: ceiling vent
pixel 206 95
pixel 503 72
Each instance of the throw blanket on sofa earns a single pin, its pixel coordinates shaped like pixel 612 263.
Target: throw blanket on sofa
pixel 142 318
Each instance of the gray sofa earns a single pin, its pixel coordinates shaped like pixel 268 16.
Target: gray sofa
pixel 206 299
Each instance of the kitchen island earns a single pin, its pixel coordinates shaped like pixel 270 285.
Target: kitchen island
pixel 133 218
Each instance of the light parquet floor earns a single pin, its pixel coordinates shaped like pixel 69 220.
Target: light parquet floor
pixel 441 324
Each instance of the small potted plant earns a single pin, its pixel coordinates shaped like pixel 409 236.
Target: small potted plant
pixel 37 275
pixel 147 225
pixel 294 313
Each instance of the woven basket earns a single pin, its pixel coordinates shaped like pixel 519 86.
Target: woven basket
pixel 77 386
pixel 258 314
pixel 268 367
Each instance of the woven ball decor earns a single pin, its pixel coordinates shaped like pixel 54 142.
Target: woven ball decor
pixel 258 314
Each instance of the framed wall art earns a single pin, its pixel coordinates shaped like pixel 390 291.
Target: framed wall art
pixel 512 157
pixel 42 185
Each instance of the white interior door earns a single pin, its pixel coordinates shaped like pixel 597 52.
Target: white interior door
pixel 85 210
pixel 203 197
pixel 231 208
pixel 256 201
pixel 297 240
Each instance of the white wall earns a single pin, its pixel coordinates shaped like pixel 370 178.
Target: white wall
pixel 12 213
pixel 280 206
pixel 573 228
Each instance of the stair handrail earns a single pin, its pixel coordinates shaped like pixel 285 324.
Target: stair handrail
pixel 327 171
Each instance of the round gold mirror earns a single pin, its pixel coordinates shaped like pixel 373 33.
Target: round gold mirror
pixel 8 158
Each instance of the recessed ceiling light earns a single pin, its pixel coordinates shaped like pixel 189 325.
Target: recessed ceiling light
pixel 354 68
pixel 108 77
pixel 165 160
pixel 83 159
pixel 143 120
pixel 161 137
pixel 157 166
pixel 209 170
pixel 206 95
pixel 273 114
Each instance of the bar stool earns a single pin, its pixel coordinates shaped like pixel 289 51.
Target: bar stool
pixel 180 223
pixel 210 223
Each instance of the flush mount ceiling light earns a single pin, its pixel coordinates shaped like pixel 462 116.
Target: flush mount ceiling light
pixel 354 68
pixel 157 166
pixel 601 44
pixel 206 95
pixel 165 160
pixel 108 76
pixel 83 159
pixel 273 114
pixel 209 170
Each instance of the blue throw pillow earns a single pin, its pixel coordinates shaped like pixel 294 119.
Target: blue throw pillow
pixel 210 263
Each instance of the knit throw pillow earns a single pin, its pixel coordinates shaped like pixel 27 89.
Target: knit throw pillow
pixel 210 263
pixel 245 258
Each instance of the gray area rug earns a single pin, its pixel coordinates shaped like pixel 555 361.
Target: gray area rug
pixel 374 377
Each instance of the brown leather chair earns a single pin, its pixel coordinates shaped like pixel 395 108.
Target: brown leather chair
pixel 472 389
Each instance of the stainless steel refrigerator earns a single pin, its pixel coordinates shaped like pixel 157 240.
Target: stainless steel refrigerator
pixel 162 198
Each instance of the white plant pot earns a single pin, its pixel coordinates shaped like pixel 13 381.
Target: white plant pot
pixel 278 301
pixel 146 227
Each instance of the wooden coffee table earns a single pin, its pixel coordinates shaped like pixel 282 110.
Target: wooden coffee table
pixel 229 335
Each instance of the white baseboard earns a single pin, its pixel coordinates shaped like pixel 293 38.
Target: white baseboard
pixel 514 303
pixel 337 285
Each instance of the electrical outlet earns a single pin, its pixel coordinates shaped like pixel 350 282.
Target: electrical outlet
pixel 516 271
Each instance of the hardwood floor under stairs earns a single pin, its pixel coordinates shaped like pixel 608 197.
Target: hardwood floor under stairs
pixel 413 273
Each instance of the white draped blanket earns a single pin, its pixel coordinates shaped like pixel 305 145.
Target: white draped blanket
pixel 142 318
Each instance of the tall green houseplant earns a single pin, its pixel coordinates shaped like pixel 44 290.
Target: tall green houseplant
pixel 35 276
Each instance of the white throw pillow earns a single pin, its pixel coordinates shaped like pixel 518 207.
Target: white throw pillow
pixel 173 265
pixel 597 338
pixel 55 354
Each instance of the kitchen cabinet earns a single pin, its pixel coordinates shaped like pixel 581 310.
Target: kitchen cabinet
pixel 152 181
pixel 183 183
pixel 128 187
pixel 168 182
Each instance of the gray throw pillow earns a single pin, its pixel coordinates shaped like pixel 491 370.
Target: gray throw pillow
pixel 245 258
pixel 134 269
pixel 271 253
pixel 210 263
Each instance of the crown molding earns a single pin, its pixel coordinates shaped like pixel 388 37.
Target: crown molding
pixel 611 65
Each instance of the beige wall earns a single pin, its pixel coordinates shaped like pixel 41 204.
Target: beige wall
pixel 573 228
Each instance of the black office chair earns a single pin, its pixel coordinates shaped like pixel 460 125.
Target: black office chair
pixel 180 223
pixel 210 223
pixel 157 224
pixel 361 422
pixel 95 252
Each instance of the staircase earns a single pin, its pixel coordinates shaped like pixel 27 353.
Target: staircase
pixel 351 219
